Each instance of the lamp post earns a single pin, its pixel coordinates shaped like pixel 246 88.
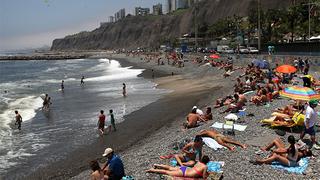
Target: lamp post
pixel 309 9
pixel 196 25
pixel 259 27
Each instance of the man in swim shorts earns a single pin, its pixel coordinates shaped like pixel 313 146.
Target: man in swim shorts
pixel 18 119
pixel 221 139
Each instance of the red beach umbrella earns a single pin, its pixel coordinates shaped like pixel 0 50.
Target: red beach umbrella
pixel 214 56
pixel 286 69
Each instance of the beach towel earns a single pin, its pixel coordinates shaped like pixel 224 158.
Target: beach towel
pixel 303 164
pixel 249 92
pixel 213 166
pixel 211 143
pixel 236 126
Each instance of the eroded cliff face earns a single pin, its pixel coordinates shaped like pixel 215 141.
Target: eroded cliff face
pixel 150 31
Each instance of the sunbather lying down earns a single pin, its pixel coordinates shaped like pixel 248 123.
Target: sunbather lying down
pixel 199 170
pixel 286 121
pixel 221 139
pixel 286 156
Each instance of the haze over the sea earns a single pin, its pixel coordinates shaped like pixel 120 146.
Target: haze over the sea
pixel 35 23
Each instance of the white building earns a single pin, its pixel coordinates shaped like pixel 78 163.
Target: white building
pixel 157 9
pixel 139 11
pixel 119 15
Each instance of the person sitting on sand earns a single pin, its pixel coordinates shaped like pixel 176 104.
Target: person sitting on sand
pixel 221 139
pixel 192 119
pixel 97 173
pixel 198 111
pixel 238 105
pixel 259 100
pixel 208 115
pixel 114 168
pixel 199 170
pixel 190 152
pixel 286 156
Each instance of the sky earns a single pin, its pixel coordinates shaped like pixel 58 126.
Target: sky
pixel 28 24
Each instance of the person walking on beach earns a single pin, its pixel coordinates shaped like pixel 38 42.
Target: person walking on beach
pixel 112 120
pixel 82 80
pixel 18 120
pixel 101 122
pixel 62 85
pixel 310 121
pixel 124 91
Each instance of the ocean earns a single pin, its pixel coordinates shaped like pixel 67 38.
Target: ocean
pixel 71 122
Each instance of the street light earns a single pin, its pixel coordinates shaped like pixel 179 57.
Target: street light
pixel 259 35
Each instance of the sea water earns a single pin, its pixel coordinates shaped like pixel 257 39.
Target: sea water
pixel 48 136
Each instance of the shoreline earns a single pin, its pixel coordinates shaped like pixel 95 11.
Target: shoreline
pixel 145 139
pixel 136 126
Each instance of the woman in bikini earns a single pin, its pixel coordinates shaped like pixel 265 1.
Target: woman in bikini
pixel 199 170
pixel 221 139
pixel 286 156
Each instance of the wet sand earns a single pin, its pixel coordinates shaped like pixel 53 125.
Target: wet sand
pixel 137 125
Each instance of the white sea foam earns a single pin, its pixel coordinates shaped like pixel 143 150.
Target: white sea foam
pixel 26 106
pixel 114 71
pixel 51 69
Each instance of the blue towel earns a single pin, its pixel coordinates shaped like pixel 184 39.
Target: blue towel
pixel 213 166
pixel 303 164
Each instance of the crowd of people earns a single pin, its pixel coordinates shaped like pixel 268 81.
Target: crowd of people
pixel 254 86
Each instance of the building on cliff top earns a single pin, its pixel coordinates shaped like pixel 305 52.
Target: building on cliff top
pixel 139 11
pixel 119 15
pixel 157 9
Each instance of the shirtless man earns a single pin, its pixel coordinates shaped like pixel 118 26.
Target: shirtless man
pixel 221 139
pixel 192 119
pixel 82 80
pixel 199 170
pixel 190 152
pixel 240 101
pixel 18 119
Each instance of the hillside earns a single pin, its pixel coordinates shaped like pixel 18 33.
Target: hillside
pixel 150 31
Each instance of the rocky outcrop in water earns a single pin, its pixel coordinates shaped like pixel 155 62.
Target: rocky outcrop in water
pixel 151 31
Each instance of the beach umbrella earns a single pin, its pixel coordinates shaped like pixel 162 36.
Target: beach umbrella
pixel 300 93
pixel 214 56
pixel 262 64
pixel 286 69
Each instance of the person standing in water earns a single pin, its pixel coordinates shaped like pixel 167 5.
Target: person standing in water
pixel 124 91
pixel 62 85
pixel 82 80
pixel 101 122
pixel 112 121
pixel 18 119
pixel 45 101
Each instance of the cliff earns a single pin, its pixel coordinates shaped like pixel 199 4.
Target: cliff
pixel 150 31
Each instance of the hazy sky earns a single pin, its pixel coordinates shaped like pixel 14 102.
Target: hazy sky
pixel 35 23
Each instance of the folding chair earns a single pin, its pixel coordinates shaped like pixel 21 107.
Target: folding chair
pixel 228 131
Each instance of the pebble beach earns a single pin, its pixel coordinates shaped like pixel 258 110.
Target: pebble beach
pixel 208 84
